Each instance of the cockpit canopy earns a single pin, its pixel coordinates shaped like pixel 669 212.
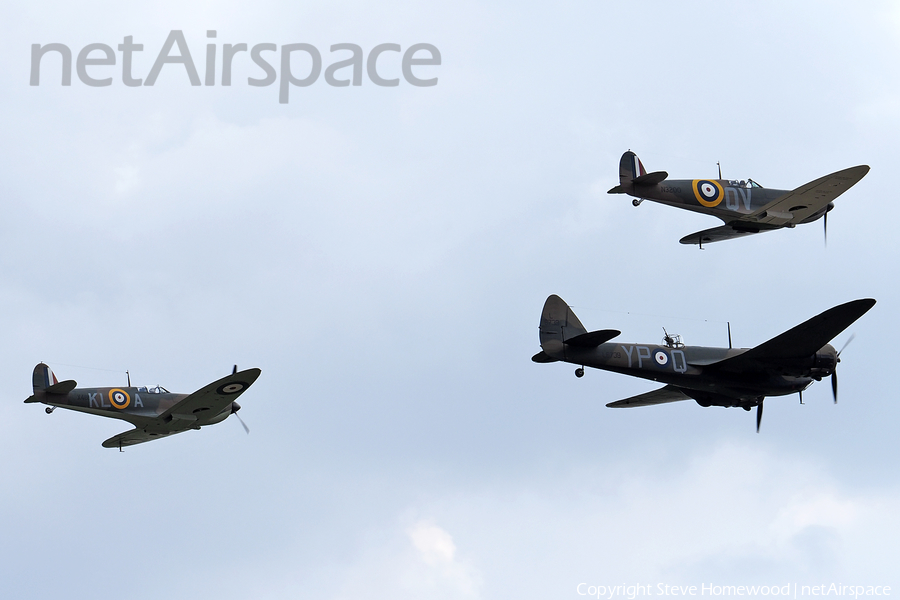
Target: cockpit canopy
pixel 154 390
pixel 743 184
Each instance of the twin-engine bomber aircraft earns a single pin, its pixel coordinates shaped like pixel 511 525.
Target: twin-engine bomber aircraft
pixel 745 206
pixel 786 364
pixel 155 412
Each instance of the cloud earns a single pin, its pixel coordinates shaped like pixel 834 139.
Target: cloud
pixel 433 543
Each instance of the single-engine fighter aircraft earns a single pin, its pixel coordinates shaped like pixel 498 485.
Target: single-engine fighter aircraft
pixel 730 377
pixel 745 206
pixel 155 412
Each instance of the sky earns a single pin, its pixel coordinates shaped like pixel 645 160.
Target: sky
pixel 382 254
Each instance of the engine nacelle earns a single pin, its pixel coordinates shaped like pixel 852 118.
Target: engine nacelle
pixel 824 363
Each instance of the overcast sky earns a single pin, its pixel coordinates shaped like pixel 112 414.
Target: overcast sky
pixel 383 254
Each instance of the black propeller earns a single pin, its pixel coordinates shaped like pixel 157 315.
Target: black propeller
pixel 234 370
pixel 235 407
pixel 759 414
pixel 834 383
pixel 826 228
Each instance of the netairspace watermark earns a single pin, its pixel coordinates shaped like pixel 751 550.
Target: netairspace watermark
pixel 417 55
pixel 789 590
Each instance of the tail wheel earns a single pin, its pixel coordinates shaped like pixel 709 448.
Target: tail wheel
pixel 579 372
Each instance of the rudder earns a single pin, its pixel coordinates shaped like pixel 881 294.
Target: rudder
pixel 42 378
pixel 630 168
pixel 558 323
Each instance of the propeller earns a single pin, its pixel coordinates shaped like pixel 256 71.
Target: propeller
pixel 826 228
pixel 834 382
pixel 758 415
pixel 235 407
pixel 834 385
pixel 234 370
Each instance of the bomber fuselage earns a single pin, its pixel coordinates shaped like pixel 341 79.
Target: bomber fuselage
pixel 689 367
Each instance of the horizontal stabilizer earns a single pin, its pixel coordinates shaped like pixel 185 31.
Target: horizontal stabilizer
pixel 543 357
pixel 802 341
pixel 650 178
pixel 670 393
pixel 62 388
pixel 593 338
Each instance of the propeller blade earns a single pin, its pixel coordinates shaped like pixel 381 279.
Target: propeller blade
pixel 826 229
pixel 758 415
pixel 235 407
pixel 834 386
pixel 847 343
pixel 234 370
pixel 247 429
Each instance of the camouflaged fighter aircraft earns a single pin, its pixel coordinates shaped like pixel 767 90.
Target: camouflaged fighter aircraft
pixel 154 411
pixel 729 377
pixel 745 206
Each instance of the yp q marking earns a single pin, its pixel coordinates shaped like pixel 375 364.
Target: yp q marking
pixel 678 362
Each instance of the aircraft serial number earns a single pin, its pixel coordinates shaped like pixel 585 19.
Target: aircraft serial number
pixel 671 190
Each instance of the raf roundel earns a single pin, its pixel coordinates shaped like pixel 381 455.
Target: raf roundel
pixel 707 192
pixel 119 398
pixel 231 388
pixel 661 358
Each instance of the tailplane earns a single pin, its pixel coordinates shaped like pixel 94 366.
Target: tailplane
pixel 44 382
pixel 560 328
pixel 632 173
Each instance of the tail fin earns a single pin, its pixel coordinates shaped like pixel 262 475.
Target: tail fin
pixel 632 173
pixel 44 382
pixel 630 168
pixel 42 378
pixel 558 323
pixel 561 329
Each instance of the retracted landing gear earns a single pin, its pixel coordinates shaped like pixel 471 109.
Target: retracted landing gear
pixel 579 372
pixel 49 409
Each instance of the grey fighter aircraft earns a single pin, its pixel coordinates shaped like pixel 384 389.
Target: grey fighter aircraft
pixel 729 377
pixel 154 411
pixel 745 206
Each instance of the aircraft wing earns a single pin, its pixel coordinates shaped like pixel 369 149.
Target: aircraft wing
pixel 807 200
pixel 136 436
pixel 669 393
pixel 735 229
pixel 213 398
pixel 802 341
